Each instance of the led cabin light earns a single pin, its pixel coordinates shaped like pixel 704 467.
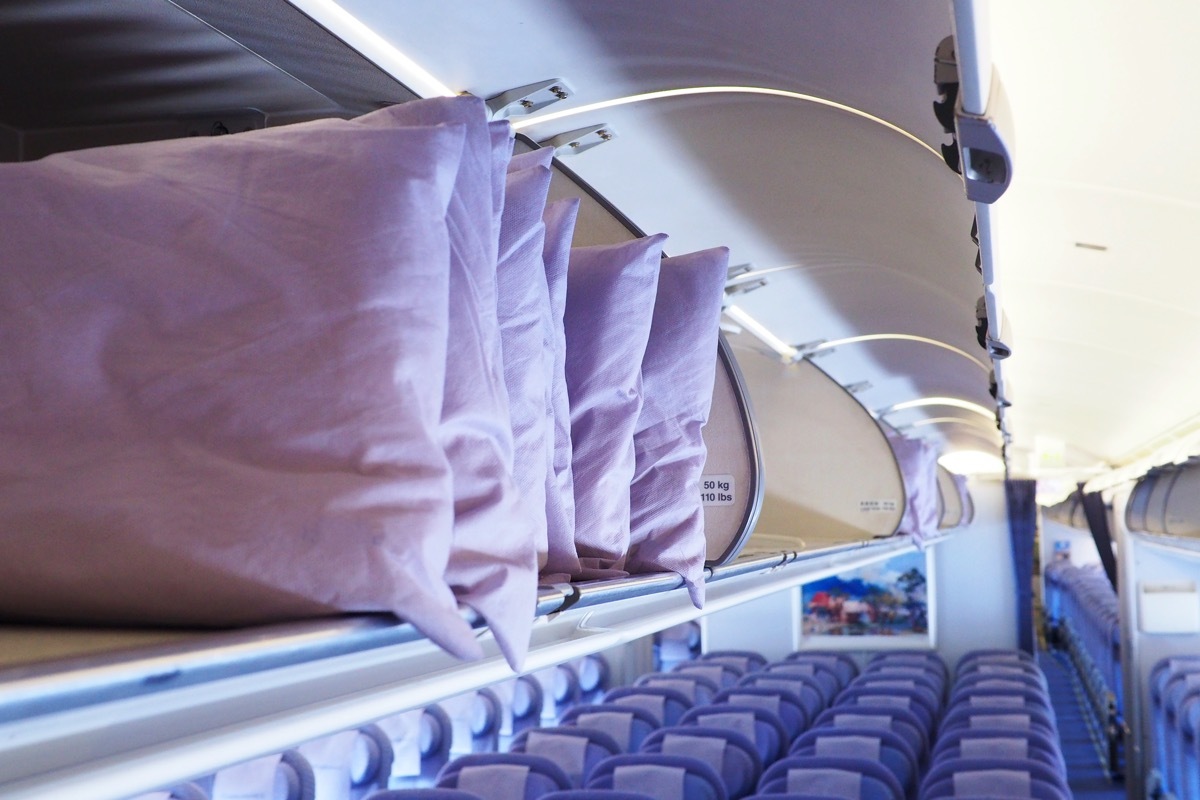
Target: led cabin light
pixel 358 35
pixel 950 402
pixel 900 337
pixel 702 90
pixel 760 332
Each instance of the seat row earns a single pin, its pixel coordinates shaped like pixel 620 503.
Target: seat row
pixel 730 724
pixel 999 736
pixel 724 726
pixel 1082 608
pixel 1175 726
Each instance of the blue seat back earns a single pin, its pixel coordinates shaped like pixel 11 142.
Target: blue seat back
pixel 947 787
pixel 785 704
pixel 927 674
pixel 627 725
pixel 503 776
pixel 763 727
pixel 996 743
pixel 699 689
pixel 574 749
pixel 992 717
pixel 886 747
pixel 665 705
pixel 842 664
pixel 745 660
pixel 873 697
pixel 723 675
pixel 819 668
pixel 429 793
pixel 596 794
pixel 807 689
pixel 663 777
pixel 922 658
pixel 910 686
pixel 848 778
pixel 729 753
pixel 1005 774
pixel 900 721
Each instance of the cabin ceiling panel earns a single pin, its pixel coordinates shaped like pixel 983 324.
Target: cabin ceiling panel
pixel 847 209
pixel 875 57
pixel 78 62
pixel 1095 237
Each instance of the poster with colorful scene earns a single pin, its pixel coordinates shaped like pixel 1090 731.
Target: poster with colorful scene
pixel 888 601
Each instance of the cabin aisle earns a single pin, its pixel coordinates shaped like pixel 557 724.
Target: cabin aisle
pixel 1085 772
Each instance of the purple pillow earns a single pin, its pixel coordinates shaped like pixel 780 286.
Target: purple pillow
pixel 561 559
pixel 222 379
pixel 493 559
pixel 678 371
pixel 610 302
pixel 918 466
pixel 524 310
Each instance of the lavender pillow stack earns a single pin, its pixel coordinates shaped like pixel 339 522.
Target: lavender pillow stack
pixel 678 371
pixel 223 375
pixel 610 301
pixel 918 466
pixel 524 310
pixel 493 559
pixel 562 560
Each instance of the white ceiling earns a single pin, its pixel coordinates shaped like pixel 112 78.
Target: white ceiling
pixel 858 228
pixel 1102 339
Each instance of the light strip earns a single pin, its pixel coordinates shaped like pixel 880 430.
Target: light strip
pixel 704 90
pixel 951 402
pixel 374 47
pixel 760 332
pixel 901 337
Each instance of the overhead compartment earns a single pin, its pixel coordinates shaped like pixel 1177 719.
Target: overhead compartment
pixel 1166 501
pixel 831 477
pixel 955 508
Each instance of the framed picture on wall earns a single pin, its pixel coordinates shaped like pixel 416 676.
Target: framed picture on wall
pixel 888 604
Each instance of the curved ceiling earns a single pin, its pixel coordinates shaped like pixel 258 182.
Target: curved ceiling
pixel 858 228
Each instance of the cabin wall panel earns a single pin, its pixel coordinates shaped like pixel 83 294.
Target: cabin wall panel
pixel 1155 561
pixel 769 625
pixel 1081 547
pixel 974 584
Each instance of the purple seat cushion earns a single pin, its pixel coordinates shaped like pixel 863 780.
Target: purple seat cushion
pixel 610 304
pixel 666 516
pixel 494 574
pixel 562 561
pixel 222 379
pixel 524 311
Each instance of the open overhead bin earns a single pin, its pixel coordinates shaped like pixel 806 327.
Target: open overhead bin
pixel 831 476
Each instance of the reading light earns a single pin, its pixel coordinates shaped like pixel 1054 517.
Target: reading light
pixel 358 35
pixel 759 331
pixel 700 90
pixel 950 402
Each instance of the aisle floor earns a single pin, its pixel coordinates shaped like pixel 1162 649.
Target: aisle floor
pixel 1085 772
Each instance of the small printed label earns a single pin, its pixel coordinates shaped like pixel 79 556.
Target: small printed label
pixel 716 490
pixel 876 506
